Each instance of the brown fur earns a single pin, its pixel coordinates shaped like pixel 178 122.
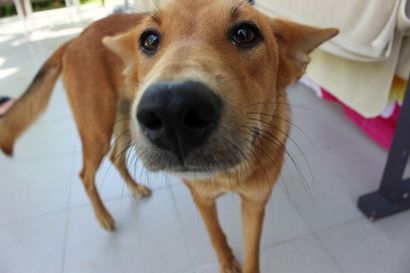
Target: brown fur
pixel 104 87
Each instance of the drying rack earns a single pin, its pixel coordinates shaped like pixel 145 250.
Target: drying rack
pixel 393 195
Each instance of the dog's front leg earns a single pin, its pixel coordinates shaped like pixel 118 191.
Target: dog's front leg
pixel 252 222
pixel 207 208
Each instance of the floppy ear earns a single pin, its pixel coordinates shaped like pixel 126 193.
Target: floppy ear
pixel 123 45
pixel 296 42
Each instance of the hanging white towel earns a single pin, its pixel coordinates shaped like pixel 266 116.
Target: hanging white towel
pixel 358 66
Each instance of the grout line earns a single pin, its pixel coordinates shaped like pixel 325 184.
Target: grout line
pixel 282 242
pixel 315 234
pixel 329 253
pixel 67 220
pixel 35 217
pixel 64 250
pixel 348 221
pixel 181 226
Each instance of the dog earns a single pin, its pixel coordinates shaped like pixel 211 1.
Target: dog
pixel 198 88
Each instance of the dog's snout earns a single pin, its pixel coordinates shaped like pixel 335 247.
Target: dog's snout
pixel 179 116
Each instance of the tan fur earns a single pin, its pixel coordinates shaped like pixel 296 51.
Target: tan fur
pixel 105 83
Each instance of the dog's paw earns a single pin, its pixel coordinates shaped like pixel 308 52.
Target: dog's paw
pixel 139 191
pixel 106 221
pixel 232 267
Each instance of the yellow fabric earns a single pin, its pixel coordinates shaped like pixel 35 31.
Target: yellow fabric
pixel 363 86
pixel 397 90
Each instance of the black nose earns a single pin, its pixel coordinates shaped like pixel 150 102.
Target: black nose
pixel 179 116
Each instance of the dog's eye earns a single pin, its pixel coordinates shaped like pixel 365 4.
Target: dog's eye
pixel 245 35
pixel 150 41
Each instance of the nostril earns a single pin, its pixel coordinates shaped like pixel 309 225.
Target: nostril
pixel 197 119
pixel 150 120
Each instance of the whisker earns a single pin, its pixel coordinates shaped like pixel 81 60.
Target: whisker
pixel 277 144
pixel 292 141
pixel 285 120
pixel 297 168
pixel 244 162
pixel 108 153
pixel 256 156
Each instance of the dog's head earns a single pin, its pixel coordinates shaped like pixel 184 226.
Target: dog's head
pixel 203 73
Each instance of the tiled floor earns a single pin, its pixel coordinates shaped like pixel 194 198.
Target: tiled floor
pixel 47 225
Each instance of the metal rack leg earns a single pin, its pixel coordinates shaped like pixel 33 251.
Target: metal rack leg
pixel 393 195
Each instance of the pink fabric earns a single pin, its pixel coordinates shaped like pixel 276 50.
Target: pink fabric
pixel 381 130
pixel 6 106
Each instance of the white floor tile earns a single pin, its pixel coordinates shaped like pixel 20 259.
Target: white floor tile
pixel 34 246
pixel 304 255
pixel 33 189
pixel 340 176
pixel 148 238
pixel 364 247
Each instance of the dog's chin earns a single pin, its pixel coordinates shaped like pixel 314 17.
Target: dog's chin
pixel 186 171
pixel 198 166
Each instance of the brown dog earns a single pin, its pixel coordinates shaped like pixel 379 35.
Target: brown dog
pixel 198 87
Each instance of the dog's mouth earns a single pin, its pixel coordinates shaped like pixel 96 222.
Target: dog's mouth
pixel 181 129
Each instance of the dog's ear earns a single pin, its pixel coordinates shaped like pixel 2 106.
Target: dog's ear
pixel 123 45
pixel 296 42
